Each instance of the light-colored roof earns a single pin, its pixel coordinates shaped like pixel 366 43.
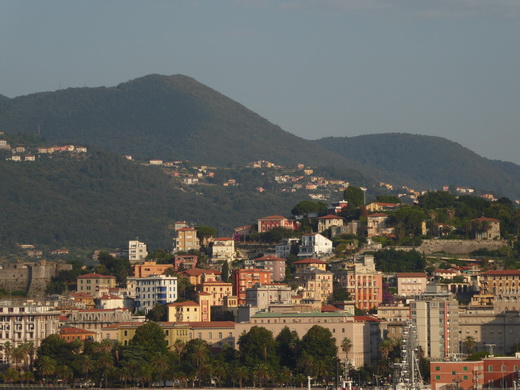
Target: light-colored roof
pixel 310 261
pixel 96 276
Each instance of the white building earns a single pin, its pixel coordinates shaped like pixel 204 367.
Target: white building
pixel 137 251
pixel 26 322
pixel 223 249
pixel 152 290
pixel 262 296
pixel 284 248
pixel 315 245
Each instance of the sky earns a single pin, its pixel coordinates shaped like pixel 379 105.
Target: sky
pixel 316 68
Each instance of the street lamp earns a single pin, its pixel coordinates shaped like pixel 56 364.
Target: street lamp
pixel 457 380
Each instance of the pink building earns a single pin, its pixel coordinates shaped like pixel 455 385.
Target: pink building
pixel 273 264
pixel 269 223
pixel 410 284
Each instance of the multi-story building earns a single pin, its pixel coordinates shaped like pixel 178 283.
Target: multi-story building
pixel 247 278
pixel 154 290
pixel 23 322
pixel 218 291
pixel 186 240
pixel 285 248
pixel 496 282
pixel 315 245
pixel 410 284
pixel 376 225
pixel 185 261
pixel 137 251
pixel 274 221
pixel 223 249
pixel 364 283
pixel 197 275
pixel 124 332
pixel 317 285
pixel 329 221
pixel 436 315
pixel 96 319
pixel 95 284
pixel 149 268
pixel 70 334
pixel 307 263
pixel 188 311
pixel 262 296
pixel 275 265
pixel 341 325
pixel 467 375
pixel 486 228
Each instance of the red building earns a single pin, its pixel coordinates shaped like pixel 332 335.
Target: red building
pixel 501 372
pixel 446 375
pixel 269 223
pixel 247 278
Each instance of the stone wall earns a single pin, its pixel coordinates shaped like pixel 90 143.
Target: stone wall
pixel 456 246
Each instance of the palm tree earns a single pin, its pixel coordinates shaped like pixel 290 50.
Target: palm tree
pixel 18 355
pixel 305 363
pixel 346 346
pixel 64 373
pixel 46 366
pixel 104 363
pixel 241 373
pixel 87 366
pixel 261 372
pixel 469 343
pixel 8 348
pixel 10 375
pixel 160 365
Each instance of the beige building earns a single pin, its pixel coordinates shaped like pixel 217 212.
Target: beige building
pixel 329 221
pixel 410 284
pixel 275 265
pixel 497 282
pixel 436 315
pixel 376 225
pixel 364 283
pixel 218 291
pixel 486 228
pixel 223 249
pixel 188 311
pixel 96 319
pixel 307 263
pixel 95 284
pixel 25 322
pixel 124 332
pixel 186 240
pixel 341 325
pixel 317 285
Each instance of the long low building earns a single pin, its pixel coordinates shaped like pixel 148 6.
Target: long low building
pixel 362 331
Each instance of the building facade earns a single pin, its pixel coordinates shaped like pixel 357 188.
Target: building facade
pixel 154 290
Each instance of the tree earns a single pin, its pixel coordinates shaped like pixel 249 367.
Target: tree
pixel 470 343
pixel 158 313
pixel 225 272
pixel 151 338
pixel 346 346
pixel 355 196
pixel 388 199
pixel 46 366
pixel 258 346
pixel 319 343
pixel 287 347
pixel 307 207
pixel 196 356
pixel 205 232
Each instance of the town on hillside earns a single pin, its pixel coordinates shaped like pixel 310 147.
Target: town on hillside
pixel 347 294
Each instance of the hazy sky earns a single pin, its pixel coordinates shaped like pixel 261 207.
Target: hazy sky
pixel 315 67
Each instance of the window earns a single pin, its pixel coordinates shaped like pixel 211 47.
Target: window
pixel 490 368
pixel 465 377
pixel 437 377
pixel 465 368
pixel 437 368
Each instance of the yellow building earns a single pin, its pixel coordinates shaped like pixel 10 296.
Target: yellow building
pixel 301 265
pixel 95 284
pixel 124 332
pixel 188 311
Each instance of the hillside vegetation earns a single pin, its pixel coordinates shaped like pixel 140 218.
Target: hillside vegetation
pixel 102 200
pixel 430 162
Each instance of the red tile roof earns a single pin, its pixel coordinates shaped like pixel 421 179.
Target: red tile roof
pixel 223 239
pixel 96 276
pixel 270 258
pixel 310 261
pixel 503 272
pixel 185 303
pixel 485 219
pixel 367 318
pixel 411 274
pixel 212 324
pixel 377 215
pixel 329 309
pixel 198 272
pixel 71 330
pixel 330 216
pixel 273 217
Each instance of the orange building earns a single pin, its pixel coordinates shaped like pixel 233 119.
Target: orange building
pixel 149 268
pixel 247 278
pixel 446 375
pixel 70 334
pixel 197 276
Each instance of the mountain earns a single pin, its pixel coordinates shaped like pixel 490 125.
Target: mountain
pixel 164 117
pixel 427 161
pixel 178 118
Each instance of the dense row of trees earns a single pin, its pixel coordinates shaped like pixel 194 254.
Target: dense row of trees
pixel 261 359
